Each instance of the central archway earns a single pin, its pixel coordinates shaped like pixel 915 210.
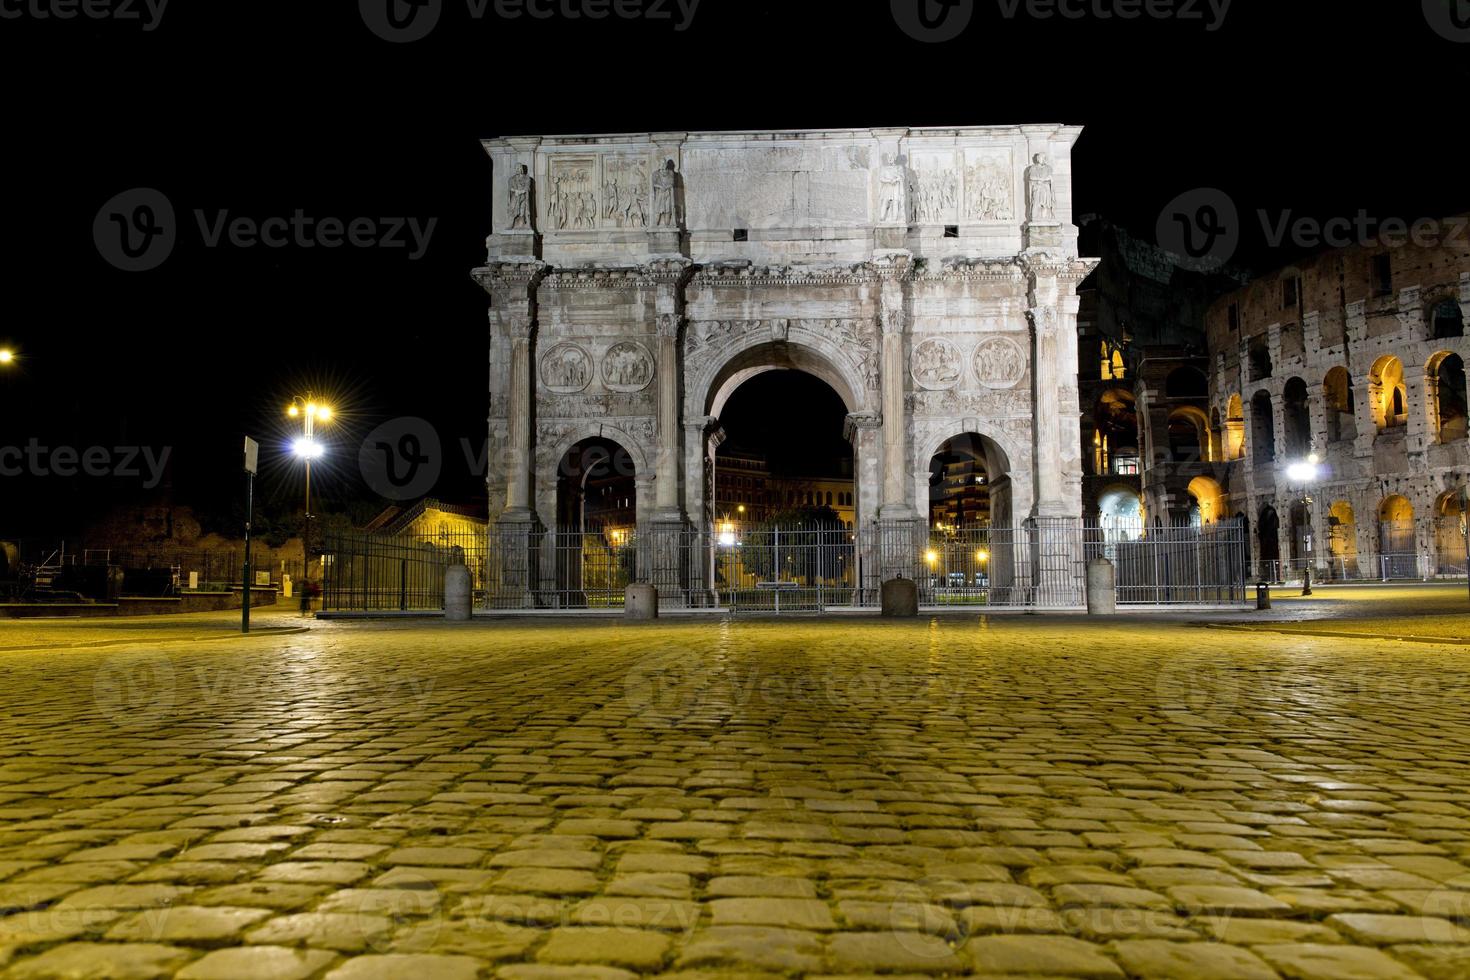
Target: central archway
pixel 719 363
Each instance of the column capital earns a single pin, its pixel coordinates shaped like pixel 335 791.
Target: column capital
pixel 858 421
pixel 668 325
pixel 520 275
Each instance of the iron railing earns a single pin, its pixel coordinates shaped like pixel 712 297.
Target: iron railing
pixel 1040 564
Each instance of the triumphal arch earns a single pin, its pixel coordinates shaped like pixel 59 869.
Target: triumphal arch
pixel 928 276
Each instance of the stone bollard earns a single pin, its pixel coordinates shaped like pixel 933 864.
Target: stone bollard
pixel 640 602
pixel 1102 588
pixel 900 598
pixel 457 607
pixel 1263 595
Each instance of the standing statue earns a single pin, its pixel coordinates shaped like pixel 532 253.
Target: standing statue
pixel 520 199
pixel 665 196
pixel 891 184
pixel 1041 204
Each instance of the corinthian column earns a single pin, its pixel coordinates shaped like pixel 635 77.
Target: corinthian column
pixel 667 483
pixel 896 482
pixel 1046 415
pixel 518 403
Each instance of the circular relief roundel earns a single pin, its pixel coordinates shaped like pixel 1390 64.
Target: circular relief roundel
pixel 566 368
pixel 999 363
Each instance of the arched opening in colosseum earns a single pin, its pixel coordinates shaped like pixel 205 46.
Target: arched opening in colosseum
pixel 1189 435
pixel 1449 533
pixel 1342 538
pixel 1337 390
pixel 1234 434
pixel 1268 540
pixel 1397 548
pixel 1115 433
pixel 1120 514
pixel 1186 382
pixel 1206 497
pixel 1445 387
pixel 1390 395
pixel 1296 419
pixel 1448 320
pixel 1263 427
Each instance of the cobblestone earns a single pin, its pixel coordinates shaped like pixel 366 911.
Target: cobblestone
pixel 575 801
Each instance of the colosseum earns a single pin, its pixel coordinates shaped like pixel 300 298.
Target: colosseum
pixel 1354 359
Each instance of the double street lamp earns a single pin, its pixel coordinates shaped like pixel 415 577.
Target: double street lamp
pixel 1304 474
pixel 307 449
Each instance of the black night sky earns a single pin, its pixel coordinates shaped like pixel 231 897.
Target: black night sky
pixel 259 110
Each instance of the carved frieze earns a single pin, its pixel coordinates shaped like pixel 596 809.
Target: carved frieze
pixel 566 369
pixel 625 186
pixel 999 362
pixel 627 366
pixel 989 194
pixel 934 196
pixel 937 365
pixel 572 200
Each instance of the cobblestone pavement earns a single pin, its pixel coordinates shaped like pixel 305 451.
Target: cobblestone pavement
pixel 555 800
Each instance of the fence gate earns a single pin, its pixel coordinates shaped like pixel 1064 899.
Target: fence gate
pixel 786 570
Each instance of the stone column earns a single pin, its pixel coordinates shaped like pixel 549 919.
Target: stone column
pixel 518 460
pixel 666 507
pixel 1050 501
pixel 896 483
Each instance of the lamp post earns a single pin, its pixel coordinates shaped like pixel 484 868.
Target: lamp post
pixel 307 449
pixel 1304 474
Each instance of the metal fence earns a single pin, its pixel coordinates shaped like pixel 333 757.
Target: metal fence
pixel 1040 564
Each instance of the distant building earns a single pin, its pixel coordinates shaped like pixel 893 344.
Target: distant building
pixel 747 493
pixel 1148 455
pixel 432 521
pixel 1357 356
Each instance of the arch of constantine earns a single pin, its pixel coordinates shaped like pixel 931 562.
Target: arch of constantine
pixel 927 275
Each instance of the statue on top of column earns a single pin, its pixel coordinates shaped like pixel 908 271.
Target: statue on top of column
pixel 520 198
pixel 666 196
pixel 891 184
pixel 1041 202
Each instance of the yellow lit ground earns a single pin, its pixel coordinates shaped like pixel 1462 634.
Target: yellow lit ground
pixel 1052 796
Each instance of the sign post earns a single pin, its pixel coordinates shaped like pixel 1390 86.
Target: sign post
pixel 252 460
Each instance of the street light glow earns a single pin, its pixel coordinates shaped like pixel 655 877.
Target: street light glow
pixel 292 411
pixel 931 556
pixel 1304 472
pixel 7 356
pixel 308 449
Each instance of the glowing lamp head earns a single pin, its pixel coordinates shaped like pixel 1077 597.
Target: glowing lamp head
pixel 293 411
pixel 7 356
pixel 308 449
pixel 1304 472
pixel 323 413
pixel 982 555
pixel 931 556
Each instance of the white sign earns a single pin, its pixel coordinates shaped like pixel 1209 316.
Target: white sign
pixel 252 455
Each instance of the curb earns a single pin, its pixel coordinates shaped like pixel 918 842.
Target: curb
pixel 1340 634
pixel 265 631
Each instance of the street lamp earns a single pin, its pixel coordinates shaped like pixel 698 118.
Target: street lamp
pixel 7 357
pixel 1304 474
pixel 307 449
